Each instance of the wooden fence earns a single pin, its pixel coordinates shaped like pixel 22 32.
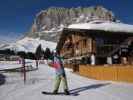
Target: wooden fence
pixel 123 73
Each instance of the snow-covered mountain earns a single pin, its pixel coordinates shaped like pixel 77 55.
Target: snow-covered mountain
pixel 49 23
pixel 28 45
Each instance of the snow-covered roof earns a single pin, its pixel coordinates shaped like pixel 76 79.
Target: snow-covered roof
pixel 104 26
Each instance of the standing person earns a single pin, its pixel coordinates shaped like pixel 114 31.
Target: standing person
pixel 93 59
pixel 23 69
pixel 60 73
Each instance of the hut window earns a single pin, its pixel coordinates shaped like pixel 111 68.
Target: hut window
pixel 77 45
pixel 68 46
pixel 68 43
pixel 85 43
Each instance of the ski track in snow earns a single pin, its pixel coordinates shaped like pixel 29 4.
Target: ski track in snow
pixel 42 80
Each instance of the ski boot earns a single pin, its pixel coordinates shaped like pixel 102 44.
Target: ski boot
pixel 66 92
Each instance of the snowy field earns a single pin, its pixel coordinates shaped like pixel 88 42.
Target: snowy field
pixel 14 64
pixel 42 80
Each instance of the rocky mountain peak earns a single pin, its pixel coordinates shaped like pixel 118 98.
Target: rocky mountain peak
pixel 49 23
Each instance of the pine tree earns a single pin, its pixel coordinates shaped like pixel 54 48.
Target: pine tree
pixel 30 55
pixel 38 54
pixel 47 53
pixel 22 54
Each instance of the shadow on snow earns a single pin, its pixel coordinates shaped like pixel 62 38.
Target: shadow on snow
pixel 2 79
pixel 84 88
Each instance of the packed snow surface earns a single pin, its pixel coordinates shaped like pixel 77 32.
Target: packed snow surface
pixel 104 25
pixel 42 80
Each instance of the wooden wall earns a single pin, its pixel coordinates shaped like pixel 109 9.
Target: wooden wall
pixel 123 73
pixel 81 45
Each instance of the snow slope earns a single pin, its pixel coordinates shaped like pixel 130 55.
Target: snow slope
pixel 29 45
pixel 42 79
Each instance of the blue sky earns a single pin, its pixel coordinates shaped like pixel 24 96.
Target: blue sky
pixel 16 16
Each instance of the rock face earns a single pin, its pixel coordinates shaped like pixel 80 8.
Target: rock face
pixel 49 23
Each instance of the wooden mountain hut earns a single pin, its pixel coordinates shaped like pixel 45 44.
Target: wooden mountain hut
pixel 97 42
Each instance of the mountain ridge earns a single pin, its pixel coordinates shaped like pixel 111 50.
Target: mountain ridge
pixel 49 23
